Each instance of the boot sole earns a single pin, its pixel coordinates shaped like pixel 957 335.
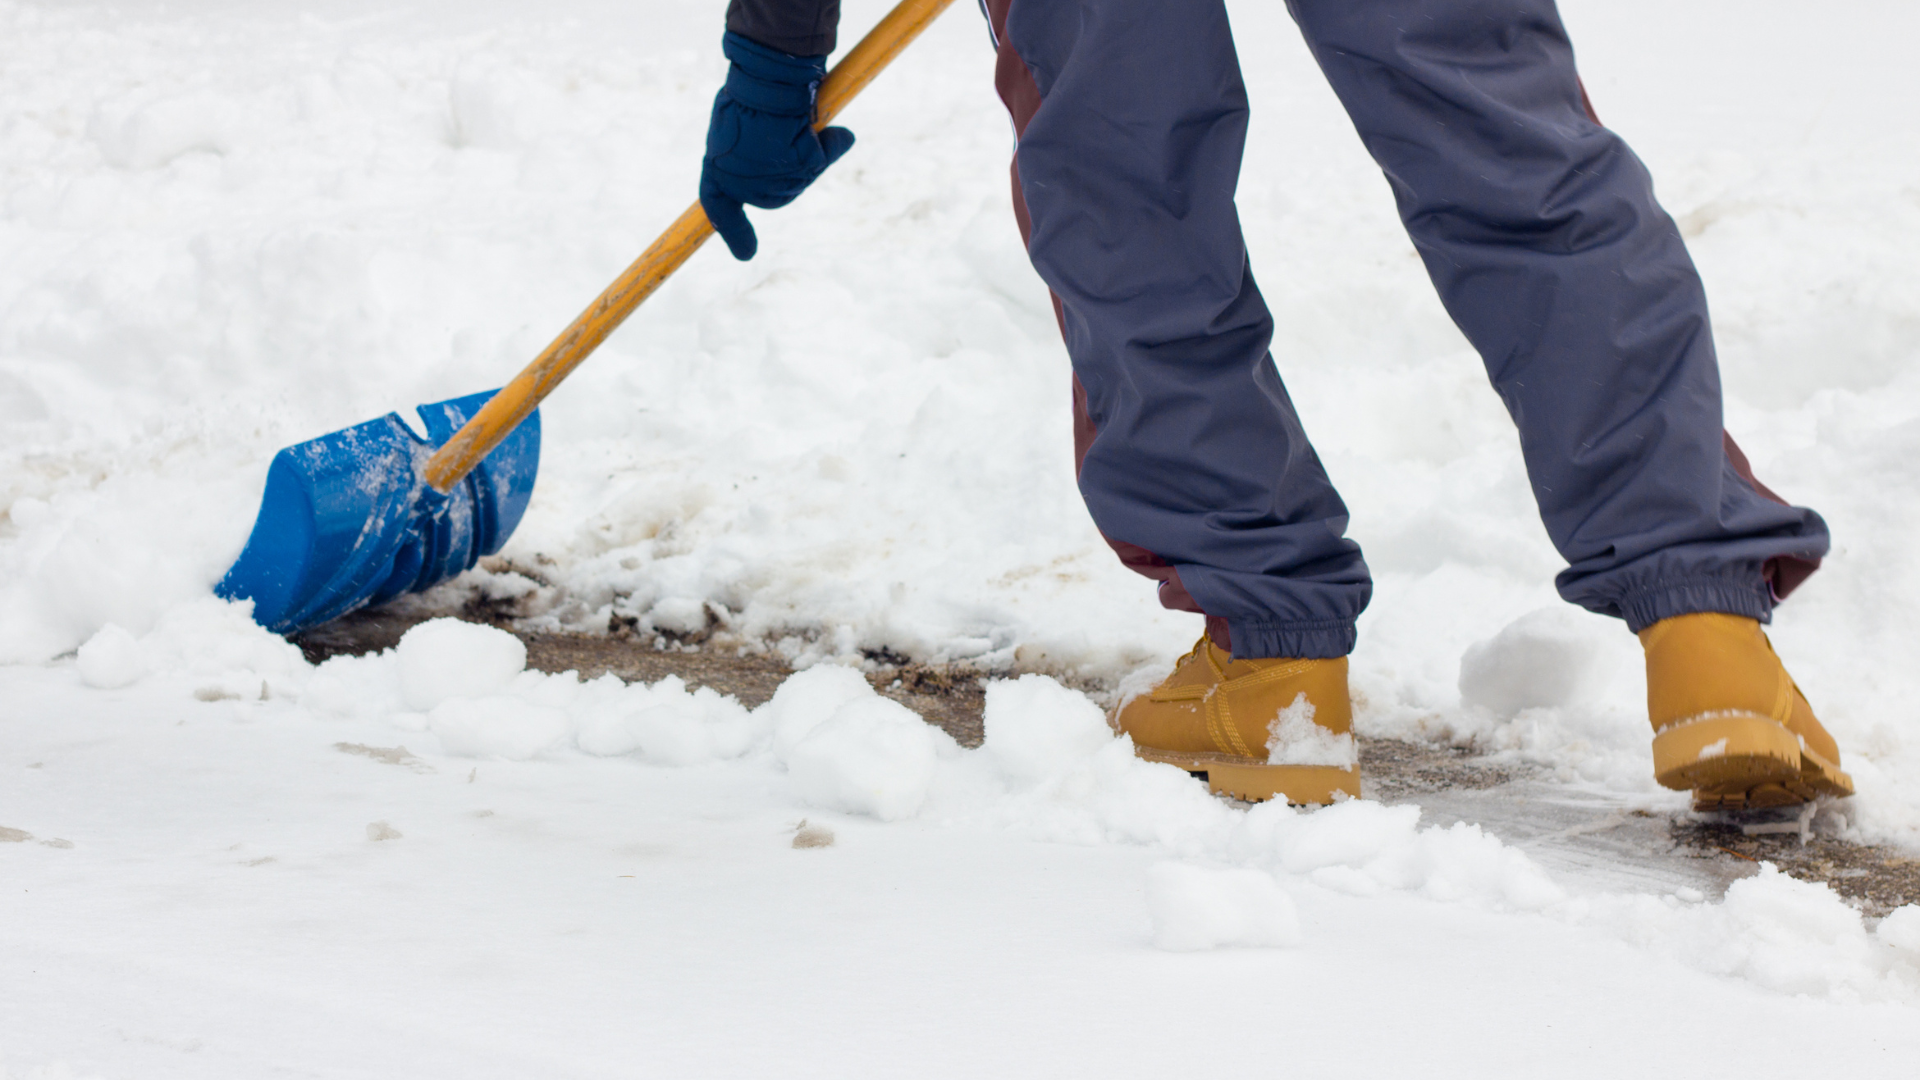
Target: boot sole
pixel 1300 785
pixel 1818 777
pixel 1743 761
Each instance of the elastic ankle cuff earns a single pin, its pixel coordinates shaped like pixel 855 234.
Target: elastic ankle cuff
pixel 1316 639
pixel 1686 596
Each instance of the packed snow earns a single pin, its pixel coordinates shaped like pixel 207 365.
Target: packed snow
pixel 230 226
pixel 1293 738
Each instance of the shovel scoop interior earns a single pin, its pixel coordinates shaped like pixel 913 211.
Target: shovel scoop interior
pixel 349 521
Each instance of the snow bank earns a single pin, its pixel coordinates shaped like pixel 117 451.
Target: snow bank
pixel 1050 770
pixel 1789 936
pixel 209 647
pixel 484 704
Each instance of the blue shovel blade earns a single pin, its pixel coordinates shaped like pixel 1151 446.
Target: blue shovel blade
pixel 348 520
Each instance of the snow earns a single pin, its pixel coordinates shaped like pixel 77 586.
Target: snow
pixel 872 756
pixel 1035 727
pixel 1543 660
pixel 110 659
pixel 446 658
pixel 1195 908
pixel 232 226
pixel 807 700
pixel 1293 738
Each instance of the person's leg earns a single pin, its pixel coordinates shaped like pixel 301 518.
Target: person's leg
pixel 1132 117
pixel 1542 235
pixel 1540 230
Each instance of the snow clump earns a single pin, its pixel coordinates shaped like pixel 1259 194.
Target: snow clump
pixel 1293 738
pixel 110 660
pixel 1037 728
pixel 445 658
pixel 469 686
pixel 1544 659
pixel 207 647
pixel 806 699
pixel 1900 932
pixel 1781 933
pixel 1364 848
pixel 871 756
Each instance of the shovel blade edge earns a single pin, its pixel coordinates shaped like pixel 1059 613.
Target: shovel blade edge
pixel 348 520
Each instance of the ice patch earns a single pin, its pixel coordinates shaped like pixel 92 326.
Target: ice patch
pixel 1714 749
pixel 1195 908
pixel 446 658
pixel 1294 739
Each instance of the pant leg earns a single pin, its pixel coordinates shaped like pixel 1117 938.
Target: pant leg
pixel 1540 230
pixel 1128 158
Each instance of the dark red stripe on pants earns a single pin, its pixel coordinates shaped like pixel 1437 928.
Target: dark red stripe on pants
pixel 1021 95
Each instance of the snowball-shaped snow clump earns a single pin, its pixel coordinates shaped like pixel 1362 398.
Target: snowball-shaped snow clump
pixel 110 659
pixel 1900 931
pixel 1546 658
pixel 1195 908
pixel 1036 728
pixel 447 658
pixel 805 701
pixel 872 756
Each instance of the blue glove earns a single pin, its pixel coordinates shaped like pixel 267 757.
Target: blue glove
pixel 761 147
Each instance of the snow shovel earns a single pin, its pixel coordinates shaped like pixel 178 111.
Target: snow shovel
pixel 362 515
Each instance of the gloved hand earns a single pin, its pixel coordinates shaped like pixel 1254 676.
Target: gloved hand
pixel 761 147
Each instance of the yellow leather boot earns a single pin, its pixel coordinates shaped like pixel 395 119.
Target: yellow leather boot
pixel 1259 729
pixel 1729 723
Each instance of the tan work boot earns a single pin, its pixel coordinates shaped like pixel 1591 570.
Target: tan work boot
pixel 1259 729
pixel 1728 722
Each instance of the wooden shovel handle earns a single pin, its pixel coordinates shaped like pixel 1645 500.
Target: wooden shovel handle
pixel 517 400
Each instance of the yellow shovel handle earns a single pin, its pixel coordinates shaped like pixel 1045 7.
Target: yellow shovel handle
pixel 517 400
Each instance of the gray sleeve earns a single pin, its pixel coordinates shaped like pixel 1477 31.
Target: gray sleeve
pixel 796 27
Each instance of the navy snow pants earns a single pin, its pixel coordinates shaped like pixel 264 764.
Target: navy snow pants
pixel 1538 227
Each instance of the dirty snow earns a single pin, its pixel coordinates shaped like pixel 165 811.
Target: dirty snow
pixel 231 226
